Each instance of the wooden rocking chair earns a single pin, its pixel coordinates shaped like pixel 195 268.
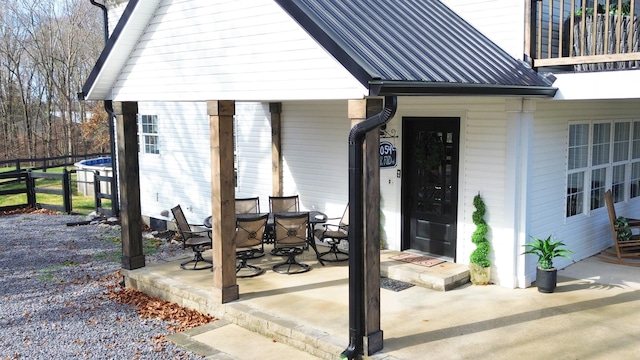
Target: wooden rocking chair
pixel 624 249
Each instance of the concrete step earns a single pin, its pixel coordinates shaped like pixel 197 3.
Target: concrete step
pixel 442 277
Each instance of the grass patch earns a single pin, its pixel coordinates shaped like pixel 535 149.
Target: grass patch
pixel 49 274
pixel 81 204
pixel 109 256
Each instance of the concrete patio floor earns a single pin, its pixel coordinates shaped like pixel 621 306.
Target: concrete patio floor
pixel 592 315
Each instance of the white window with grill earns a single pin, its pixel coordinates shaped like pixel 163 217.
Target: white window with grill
pixel 600 156
pixel 150 140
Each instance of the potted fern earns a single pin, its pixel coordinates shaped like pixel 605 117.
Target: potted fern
pixel 479 264
pixel 546 250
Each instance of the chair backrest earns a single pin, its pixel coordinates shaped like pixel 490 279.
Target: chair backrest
pixel 608 199
pixel 345 218
pixel 250 230
pixel 181 220
pixel 280 204
pixel 248 205
pixel 291 230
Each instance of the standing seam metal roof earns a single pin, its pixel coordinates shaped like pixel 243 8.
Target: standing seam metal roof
pixel 416 42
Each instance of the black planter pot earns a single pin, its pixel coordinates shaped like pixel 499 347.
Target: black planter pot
pixel 546 280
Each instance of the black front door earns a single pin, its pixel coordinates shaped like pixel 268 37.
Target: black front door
pixel 430 184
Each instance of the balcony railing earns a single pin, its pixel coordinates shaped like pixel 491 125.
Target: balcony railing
pixel 573 35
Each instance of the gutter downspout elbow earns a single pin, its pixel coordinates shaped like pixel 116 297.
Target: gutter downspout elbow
pixel 105 18
pixel 356 243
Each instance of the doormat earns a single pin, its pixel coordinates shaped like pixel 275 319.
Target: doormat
pixel 394 285
pixel 417 259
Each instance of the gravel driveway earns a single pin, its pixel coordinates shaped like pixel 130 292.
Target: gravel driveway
pixel 53 297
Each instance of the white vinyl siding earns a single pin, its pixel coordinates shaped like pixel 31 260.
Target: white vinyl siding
pixel 588 233
pixel 228 49
pixel 502 21
pixel 181 173
pixel 315 154
pixel 483 142
pixel 253 151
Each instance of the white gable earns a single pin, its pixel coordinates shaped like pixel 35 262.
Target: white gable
pixel 239 50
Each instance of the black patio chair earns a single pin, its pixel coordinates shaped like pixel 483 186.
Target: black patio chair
pixel 247 205
pixel 333 235
pixel 249 244
pixel 282 204
pixel 291 238
pixel 193 239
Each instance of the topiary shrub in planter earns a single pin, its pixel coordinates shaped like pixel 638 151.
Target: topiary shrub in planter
pixel 479 264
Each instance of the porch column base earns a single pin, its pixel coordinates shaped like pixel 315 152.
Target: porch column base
pixel 133 262
pixel 373 342
pixel 225 295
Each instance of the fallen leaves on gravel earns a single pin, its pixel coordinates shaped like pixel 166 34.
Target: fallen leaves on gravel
pixel 29 210
pixel 148 307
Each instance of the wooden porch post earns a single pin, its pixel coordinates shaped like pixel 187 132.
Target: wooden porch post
pixel 358 111
pixel 225 288
pixel 276 155
pixel 129 177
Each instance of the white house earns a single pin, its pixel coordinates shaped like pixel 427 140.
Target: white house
pixel 471 118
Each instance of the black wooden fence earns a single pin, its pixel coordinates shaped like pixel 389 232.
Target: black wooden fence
pixel 28 178
pixel 46 163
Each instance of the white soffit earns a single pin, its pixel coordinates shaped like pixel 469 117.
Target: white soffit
pixel 121 47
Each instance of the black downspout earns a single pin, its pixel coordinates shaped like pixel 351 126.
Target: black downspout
pixel 356 243
pixel 108 107
pixel 105 18
pixel 115 196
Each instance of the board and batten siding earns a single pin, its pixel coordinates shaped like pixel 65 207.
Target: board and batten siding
pixel 315 153
pixel 229 49
pixel 584 234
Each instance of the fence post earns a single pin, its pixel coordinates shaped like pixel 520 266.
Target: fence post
pixel 18 169
pixel 31 189
pixel 97 191
pixel 66 190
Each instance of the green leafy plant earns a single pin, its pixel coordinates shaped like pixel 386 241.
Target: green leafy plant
pixel 480 256
pixel 546 250
pixel 625 9
pixel 621 224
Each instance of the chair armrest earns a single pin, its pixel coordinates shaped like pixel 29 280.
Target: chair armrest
pixel 196 231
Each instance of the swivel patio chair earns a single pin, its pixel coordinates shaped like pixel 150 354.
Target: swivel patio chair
pixel 246 208
pixel 628 247
pixel 281 204
pixel 247 205
pixel 291 238
pixel 248 238
pixel 193 239
pixel 333 235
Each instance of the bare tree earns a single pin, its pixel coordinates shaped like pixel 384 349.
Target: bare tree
pixel 47 49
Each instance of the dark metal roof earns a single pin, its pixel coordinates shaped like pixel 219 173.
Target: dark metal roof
pixel 414 47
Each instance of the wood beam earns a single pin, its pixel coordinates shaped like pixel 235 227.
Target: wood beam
pixel 358 111
pixel 129 179
pixel 276 146
pixel 225 288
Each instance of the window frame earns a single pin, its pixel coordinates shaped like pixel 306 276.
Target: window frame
pixel 144 146
pixel 591 197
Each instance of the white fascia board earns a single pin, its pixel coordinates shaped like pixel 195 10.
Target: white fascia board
pixel 120 51
pixel 598 85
